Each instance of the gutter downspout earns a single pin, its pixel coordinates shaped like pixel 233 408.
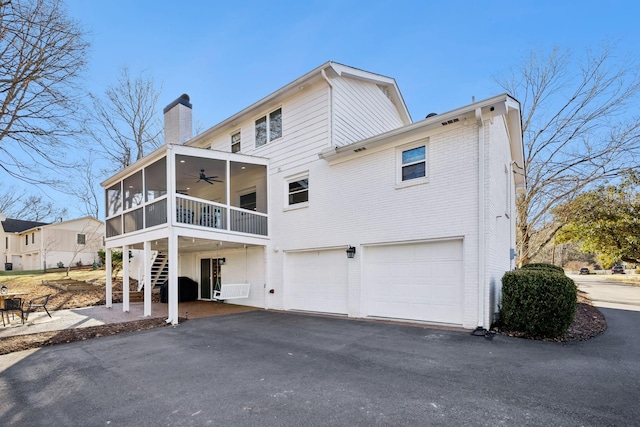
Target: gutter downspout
pixel 330 114
pixel 481 220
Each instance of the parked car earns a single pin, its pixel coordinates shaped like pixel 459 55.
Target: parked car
pixel 584 270
pixel 617 269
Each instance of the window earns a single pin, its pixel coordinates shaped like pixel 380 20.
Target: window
pixel 81 239
pixel 235 142
pixel 26 239
pixel 299 191
pixel 413 163
pixel 275 124
pixel 248 201
pixel 269 130
pixel 33 238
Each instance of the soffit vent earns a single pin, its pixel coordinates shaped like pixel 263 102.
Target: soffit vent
pixel 359 149
pixel 448 122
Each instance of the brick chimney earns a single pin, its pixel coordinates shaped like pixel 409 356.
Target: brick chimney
pixel 177 121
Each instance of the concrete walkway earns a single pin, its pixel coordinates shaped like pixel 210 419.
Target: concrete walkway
pixel 99 315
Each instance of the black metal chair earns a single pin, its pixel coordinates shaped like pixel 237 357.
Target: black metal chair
pixel 12 305
pixel 36 303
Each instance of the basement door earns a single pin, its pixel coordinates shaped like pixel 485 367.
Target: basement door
pixel 421 281
pixel 317 281
pixel 209 277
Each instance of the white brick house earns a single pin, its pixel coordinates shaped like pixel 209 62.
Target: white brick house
pixel 274 195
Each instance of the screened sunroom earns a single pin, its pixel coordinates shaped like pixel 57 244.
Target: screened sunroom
pixel 182 200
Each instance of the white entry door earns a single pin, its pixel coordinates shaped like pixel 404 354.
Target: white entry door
pixel 317 281
pixel 421 281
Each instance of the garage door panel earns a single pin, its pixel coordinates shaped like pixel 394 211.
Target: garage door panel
pixel 420 281
pixel 317 281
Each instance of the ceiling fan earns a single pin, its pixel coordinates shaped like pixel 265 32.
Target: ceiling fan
pixel 205 178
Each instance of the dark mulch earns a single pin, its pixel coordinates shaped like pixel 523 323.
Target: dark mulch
pixel 25 342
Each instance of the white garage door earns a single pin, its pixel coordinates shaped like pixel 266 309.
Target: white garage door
pixel 317 281
pixel 420 281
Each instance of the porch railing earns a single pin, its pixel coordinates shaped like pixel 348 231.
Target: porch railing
pixel 215 215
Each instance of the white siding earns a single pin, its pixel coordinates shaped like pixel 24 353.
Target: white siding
pixel 361 110
pixel 305 130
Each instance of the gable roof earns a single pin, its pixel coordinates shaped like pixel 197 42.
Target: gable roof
pixel 10 225
pixel 317 74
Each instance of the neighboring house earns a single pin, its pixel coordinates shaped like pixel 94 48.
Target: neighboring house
pixel 30 245
pixel 326 197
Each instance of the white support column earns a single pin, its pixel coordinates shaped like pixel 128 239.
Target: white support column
pixel 147 278
pixel 125 278
pixel 173 278
pixel 109 282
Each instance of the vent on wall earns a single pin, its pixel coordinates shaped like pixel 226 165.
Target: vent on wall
pixel 359 149
pixel 448 122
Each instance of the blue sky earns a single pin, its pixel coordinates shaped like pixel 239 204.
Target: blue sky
pixel 227 55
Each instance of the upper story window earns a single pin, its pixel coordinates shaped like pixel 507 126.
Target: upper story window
pixel 33 237
pixel 81 239
pixel 235 142
pixel 269 127
pixel 26 239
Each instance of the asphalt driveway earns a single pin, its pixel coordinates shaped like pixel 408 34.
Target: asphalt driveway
pixel 280 369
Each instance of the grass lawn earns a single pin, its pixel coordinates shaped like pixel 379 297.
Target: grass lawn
pixel 29 278
pixel 32 282
pixel 632 279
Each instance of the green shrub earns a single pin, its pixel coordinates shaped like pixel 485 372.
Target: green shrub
pixel 543 266
pixel 538 303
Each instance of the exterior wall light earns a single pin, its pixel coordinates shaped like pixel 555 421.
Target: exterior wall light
pixel 351 252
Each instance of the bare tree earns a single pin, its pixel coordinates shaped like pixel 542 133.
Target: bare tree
pixel 124 122
pixel 579 130
pixel 34 208
pixel 42 53
pixel 8 201
pixel 86 188
pixel 14 204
